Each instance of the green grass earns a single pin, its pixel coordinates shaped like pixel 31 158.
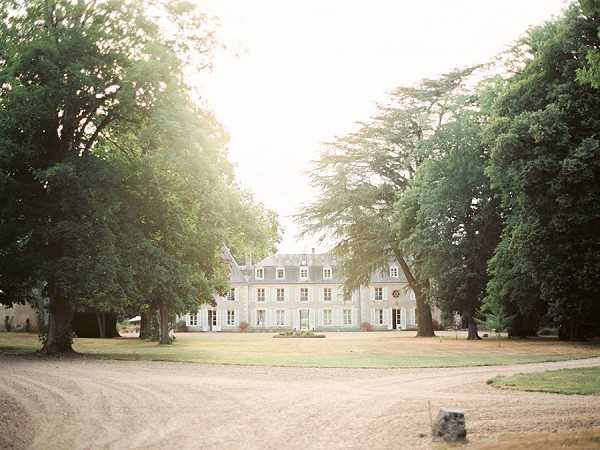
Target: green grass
pixel 581 439
pixel 369 350
pixel 584 381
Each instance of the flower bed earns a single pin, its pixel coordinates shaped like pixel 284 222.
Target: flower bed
pixel 299 334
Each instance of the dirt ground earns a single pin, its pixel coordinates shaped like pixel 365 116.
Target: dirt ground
pixel 91 404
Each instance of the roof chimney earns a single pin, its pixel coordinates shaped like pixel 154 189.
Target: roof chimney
pixel 313 250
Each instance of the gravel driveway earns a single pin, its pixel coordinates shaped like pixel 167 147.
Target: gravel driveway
pixel 91 404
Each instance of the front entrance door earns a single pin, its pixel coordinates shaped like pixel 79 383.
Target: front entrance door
pixel 212 320
pixel 304 320
pixel 260 318
pixel 397 319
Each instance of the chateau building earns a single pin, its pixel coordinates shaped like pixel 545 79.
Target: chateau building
pixel 305 291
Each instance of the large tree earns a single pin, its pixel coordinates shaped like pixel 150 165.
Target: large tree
pixel 71 73
pixel 360 176
pixel 449 218
pixel 590 73
pixel 185 207
pixel 545 164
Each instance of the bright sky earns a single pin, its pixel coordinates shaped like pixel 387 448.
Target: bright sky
pixel 300 72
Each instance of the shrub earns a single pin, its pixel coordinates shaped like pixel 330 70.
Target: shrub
pixel 244 326
pixel 437 326
pixel 366 326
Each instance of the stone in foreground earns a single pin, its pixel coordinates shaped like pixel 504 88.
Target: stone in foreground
pixel 449 425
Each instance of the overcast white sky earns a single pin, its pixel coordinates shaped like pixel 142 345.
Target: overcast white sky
pixel 306 70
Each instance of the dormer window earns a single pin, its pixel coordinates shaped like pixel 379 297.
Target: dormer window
pixel 231 295
pixel 304 273
pixel 394 272
pixel 259 273
pixel 327 273
pixel 280 273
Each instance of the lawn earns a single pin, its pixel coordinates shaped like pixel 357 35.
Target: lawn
pixel 586 439
pixel 376 349
pixel 584 381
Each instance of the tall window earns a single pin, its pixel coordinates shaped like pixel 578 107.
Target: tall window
pixel 326 294
pixel 379 316
pixel 304 273
pixel 260 317
pixel 280 294
pixel 280 273
pixel 327 317
pixel 394 272
pixel 212 317
pixel 327 273
pixel 260 294
pixel 378 293
pixel 303 294
pixel 193 319
pixel 259 273
pixel 280 317
pixel 347 317
pixel 231 294
pixel 230 317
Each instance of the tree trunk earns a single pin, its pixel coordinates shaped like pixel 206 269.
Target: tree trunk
pixel 143 325
pixel 164 324
pixel 473 332
pixel 424 318
pixel 60 314
pixel 101 318
pixel 423 311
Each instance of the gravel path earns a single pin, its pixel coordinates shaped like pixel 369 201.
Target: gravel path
pixel 91 404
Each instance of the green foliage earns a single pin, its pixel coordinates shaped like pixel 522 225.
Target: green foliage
pixel 583 381
pixel 591 72
pixel 449 215
pixel 495 317
pixel 361 175
pixel 545 166
pixel 115 189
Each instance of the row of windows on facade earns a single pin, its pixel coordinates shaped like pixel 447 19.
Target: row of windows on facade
pixel 259 273
pixel 280 317
pixel 280 294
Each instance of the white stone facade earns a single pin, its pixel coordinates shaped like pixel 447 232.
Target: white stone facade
pixel 295 292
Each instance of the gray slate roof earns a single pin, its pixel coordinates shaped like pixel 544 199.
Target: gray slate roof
pixel 292 263
pixel 297 259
